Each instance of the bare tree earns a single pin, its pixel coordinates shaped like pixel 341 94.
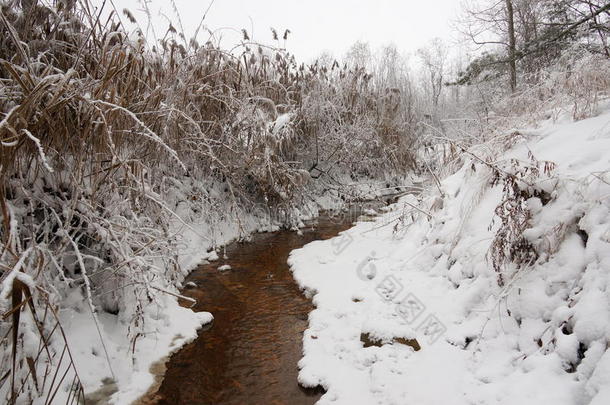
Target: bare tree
pixel 493 23
pixel 512 47
pixel 325 59
pixel 434 58
pixel 535 32
pixel 359 56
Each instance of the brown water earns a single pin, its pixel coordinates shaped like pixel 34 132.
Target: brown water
pixel 249 354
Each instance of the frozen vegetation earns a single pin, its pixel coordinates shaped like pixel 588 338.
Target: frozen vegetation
pixel 125 162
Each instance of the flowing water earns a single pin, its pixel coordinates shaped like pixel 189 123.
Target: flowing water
pixel 249 355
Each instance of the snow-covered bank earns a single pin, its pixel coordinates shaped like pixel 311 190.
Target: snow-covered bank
pixel 504 280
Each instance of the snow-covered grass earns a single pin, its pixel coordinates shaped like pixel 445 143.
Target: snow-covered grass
pixel 524 320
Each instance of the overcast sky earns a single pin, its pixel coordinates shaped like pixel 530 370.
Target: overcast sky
pixel 316 25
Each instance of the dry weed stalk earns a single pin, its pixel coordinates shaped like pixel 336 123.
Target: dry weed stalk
pixel 518 182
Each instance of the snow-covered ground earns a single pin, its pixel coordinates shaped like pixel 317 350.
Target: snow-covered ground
pixel 537 333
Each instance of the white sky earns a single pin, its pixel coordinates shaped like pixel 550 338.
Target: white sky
pixel 316 25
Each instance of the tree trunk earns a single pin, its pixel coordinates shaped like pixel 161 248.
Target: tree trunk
pixel 512 50
pixel 601 34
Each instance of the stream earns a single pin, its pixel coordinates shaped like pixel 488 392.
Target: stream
pixel 249 354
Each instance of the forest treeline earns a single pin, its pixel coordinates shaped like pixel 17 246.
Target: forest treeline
pixel 108 137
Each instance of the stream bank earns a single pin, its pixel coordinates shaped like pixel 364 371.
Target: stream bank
pixel 249 354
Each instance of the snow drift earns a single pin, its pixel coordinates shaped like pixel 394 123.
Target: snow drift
pixel 502 274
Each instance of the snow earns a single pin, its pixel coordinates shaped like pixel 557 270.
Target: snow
pixel 540 338
pixel 281 121
pixel 169 327
pixel 212 256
